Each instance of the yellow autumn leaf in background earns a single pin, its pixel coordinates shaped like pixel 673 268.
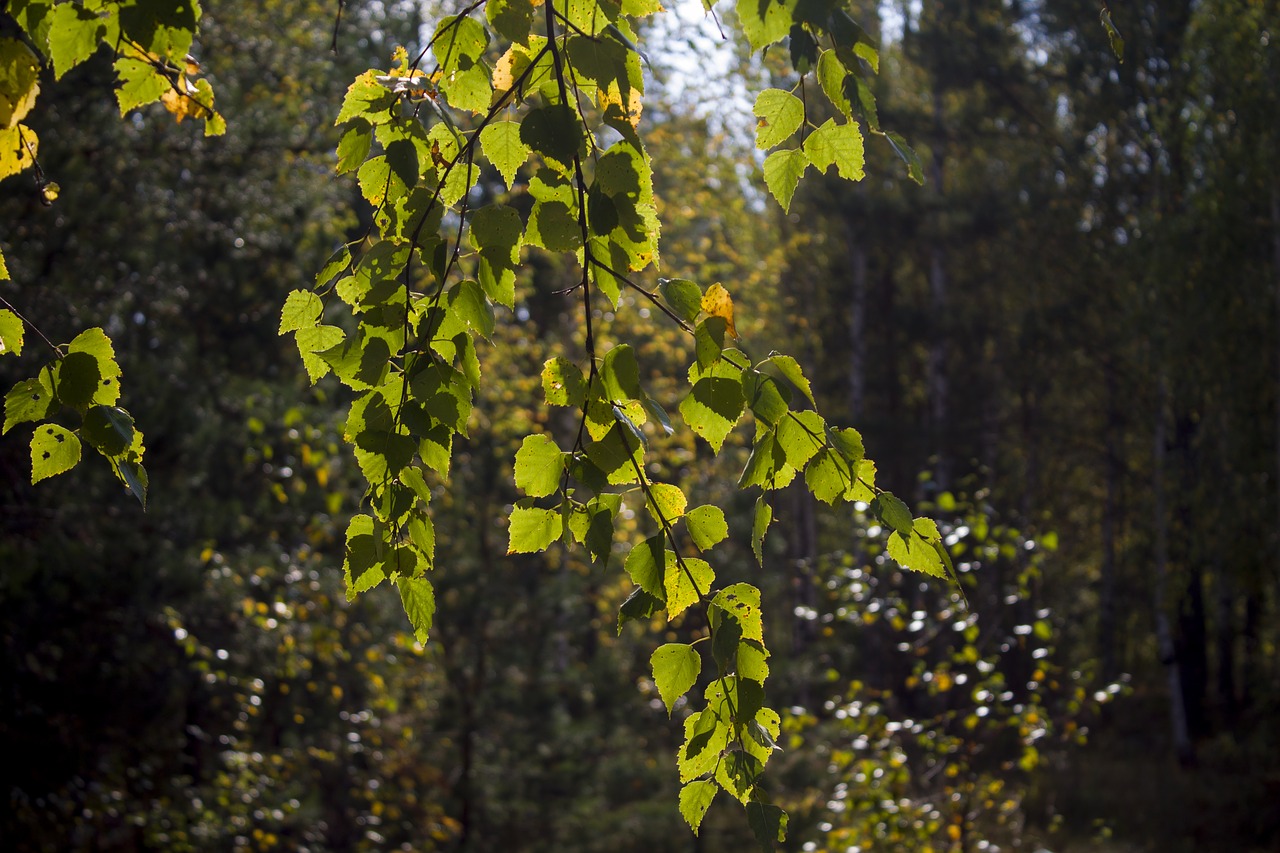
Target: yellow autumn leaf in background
pixel 717 302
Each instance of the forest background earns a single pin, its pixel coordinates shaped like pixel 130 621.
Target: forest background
pixel 1064 347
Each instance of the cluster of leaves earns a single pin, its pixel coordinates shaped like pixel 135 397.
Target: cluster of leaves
pixel 84 378
pixel 844 72
pixel 150 40
pixel 549 97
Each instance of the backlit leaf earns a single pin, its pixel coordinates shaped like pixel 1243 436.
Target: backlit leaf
pixel 779 114
pixel 718 303
pixel 533 529
pixel 54 449
pixel 695 799
pixel 707 526
pixel 782 172
pixel 11 333
pixel 539 466
pixel 676 667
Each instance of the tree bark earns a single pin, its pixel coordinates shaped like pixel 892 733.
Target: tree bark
pixel 857 323
pixel 1110 511
pixel 937 376
pixel 1164 633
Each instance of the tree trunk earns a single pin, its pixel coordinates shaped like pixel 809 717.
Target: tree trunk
pixel 1110 511
pixel 937 377
pixel 1164 633
pixel 857 323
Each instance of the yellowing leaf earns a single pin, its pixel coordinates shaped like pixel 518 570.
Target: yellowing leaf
pixel 19 73
pixel 717 302
pixel 185 100
pixel 18 149
pixel 616 103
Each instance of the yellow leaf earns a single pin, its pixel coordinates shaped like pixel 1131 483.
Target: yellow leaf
pixel 717 302
pixel 19 71
pixel 19 147
pixel 628 104
pixel 509 66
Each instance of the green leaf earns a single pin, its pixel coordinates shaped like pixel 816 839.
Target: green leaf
pixel 501 143
pixel 467 300
pixel 765 21
pixel 726 634
pixel 705 737
pixel 621 375
pixel 29 400
pixel 419 600
pixel 912 552
pixel 539 466
pixel 364 566
pixel 782 172
pixel 893 512
pixel 354 146
pixel 676 668
pixel 768 823
pixel 639 605
pixel 591 524
pixel 800 437
pixel 313 341
pixel 76 378
pixel 767 467
pixel 562 383
pixel 458 38
pixel 927 529
pixel 139 84
pixel 1113 34
pixel 708 340
pixel 848 442
pixel 554 131
pixel 752 661
pixel 829 477
pixel 900 147
pixel 713 408
pixel 838 144
pixel 73 36
pixel 108 429
pixel 665 502
pixel 831 76
pixel 765 396
pixel 762 518
pixel 337 264
pixel 743 601
pixel 790 369
pixel 646 564
pixel 707 526
pixel 11 332
pixel 738 772
pixel 511 19
pixel 695 799
pixel 686 581
pixel 302 309
pixel 496 231
pixel 54 450
pixel 533 529
pixel 684 297
pixel 779 114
